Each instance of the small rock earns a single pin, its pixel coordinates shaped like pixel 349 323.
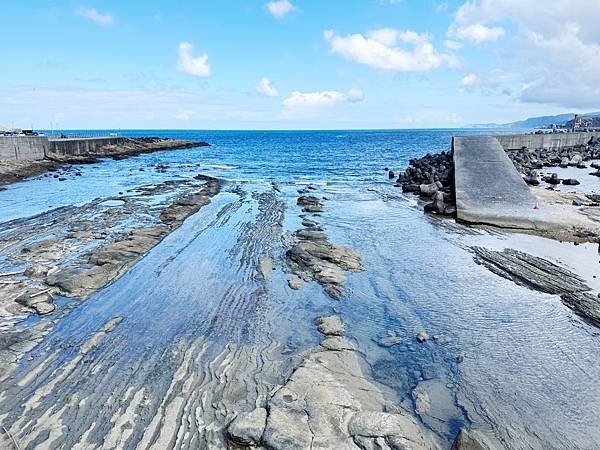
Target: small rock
pixel 570 182
pixel 61 179
pixel 389 341
pixel 337 343
pixel 309 223
pixel 330 325
pixel 460 358
pixel 44 308
pixel 553 179
pixel 391 175
pixel 422 336
pixel 532 178
pixel 468 440
pixel 296 283
pixel 248 428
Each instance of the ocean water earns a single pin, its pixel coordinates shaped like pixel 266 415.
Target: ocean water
pixel 342 157
pixel 530 365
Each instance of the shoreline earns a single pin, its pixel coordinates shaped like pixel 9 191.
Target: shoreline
pixel 13 171
pixel 295 265
pixel 64 254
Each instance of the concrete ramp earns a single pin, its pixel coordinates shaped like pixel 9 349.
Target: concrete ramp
pixel 489 190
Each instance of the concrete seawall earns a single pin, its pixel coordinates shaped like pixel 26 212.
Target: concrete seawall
pixel 81 146
pixel 31 148
pixel 545 140
pixel 24 148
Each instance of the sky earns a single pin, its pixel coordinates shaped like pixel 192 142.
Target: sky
pixel 295 64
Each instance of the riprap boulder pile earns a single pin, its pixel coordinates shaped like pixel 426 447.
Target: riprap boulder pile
pixel 432 178
pixel 528 161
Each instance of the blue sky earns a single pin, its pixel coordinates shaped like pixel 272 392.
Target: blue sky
pixel 296 64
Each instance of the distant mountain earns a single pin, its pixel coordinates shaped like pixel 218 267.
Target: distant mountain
pixel 537 122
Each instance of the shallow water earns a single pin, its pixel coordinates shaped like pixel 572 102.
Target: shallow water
pixel 198 302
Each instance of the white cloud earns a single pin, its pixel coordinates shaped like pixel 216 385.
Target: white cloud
pixel 280 8
pixel 265 87
pixel 321 99
pixel 452 45
pixel 469 80
pixel 554 55
pixel 355 96
pixel 390 49
pixel 476 33
pixel 195 66
pixel 95 16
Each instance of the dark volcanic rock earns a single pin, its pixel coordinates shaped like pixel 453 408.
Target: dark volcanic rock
pixel 527 159
pixel 428 176
pixel 532 178
pixel 552 179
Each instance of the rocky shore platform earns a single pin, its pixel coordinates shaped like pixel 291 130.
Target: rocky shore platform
pixel 73 251
pixel 13 171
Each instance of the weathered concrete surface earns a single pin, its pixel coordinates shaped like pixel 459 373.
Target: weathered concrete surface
pixel 23 148
pixel 546 140
pixel 37 148
pixel 490 191
pixel 488 187
pixel 82 146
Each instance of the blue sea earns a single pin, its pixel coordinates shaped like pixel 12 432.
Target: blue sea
pixel 355 156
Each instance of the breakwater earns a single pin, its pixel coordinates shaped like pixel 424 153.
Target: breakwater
pixel 546 140
pixel 33 148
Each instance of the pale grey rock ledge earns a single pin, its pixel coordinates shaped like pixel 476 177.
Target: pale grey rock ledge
pixel 328 403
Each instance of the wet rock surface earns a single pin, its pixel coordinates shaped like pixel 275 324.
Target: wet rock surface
pixel 74 251
pixel 313 258
pixel 470 440
pixel 327 402
pixel 544 276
